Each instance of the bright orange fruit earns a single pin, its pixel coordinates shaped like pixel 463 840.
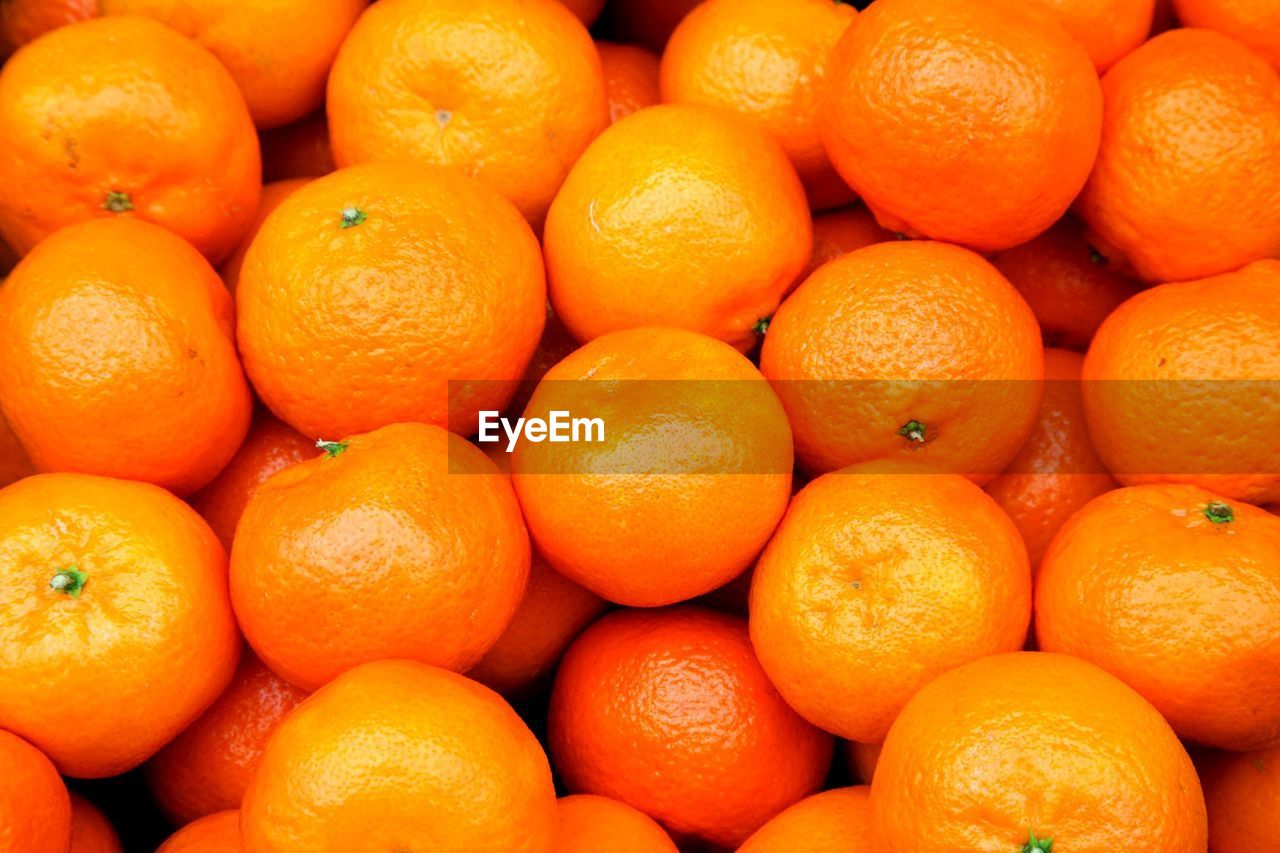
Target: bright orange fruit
pixel 839 819
pixel 91 832
pixel 630 78
pixel 215 833
pixel 586 823
pixel 1176 591
pixel 1242 792
pixel 35 811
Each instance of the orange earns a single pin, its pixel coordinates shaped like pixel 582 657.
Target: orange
pixel 630 78
pixel 1070 286
pixel 586 10
pixel 272 196
pixel 648 22
pixel 207 768
pixel 24 20
pixel 14 462
pixel 216 833
pixel 880 578
pixel 1188 175
pixel 35 812
pixel 298 150
pixel 270 447
pixel 1107 29
pixel 91 832
pixel 1179 385
pixel 116 338
pixel 586 823
pixel 1031 751
pixel 1255 23
pixel 961 141
pixel 839 232
pixel 1057 471
pixel 408 84
pixel 678 215
pixel 400 756
pixel 862 759
pixel 907 350
pixel 764 60
pixel 368 290
pixel 278 51
pixel 833 820
pixel 553 611
pixel 115 628
pixel 1242 792
pixel 124 118
pixel 692 474
pixel 404 542
pixel 669 712
pixel 1176 591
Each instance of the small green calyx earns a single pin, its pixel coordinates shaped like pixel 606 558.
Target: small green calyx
pixel 353 216
pixel 118 202
pixel 913 430
pixel 1097 258
pixel 762 325
pixel 70 581
pixel 1219 513
pixel 1038 845
pixel 332 448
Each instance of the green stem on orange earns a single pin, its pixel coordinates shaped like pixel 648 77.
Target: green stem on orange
pixel 117 202
pixel 913 430
pixel 1096 257
pixel 762 325
pixel 353 216
pixel 332 448
pixel 69 581
pixel 1038 845
pixel 1219 512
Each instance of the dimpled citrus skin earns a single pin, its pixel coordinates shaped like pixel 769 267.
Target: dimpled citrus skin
pixel 1026 743
pixel 1187 182
pixel 1255 23
pixel 839 819
pixel 1107 29
pixel 101 681
pixel 880 578
pixel 407 543
pixel 1057 471
pixel 24 20
pixel 400 757
pixel 552 612
pixel 269 447
pixel 1183 609
pixel 273 194
pixel 842 352
pixel 692 476
pixel 508 91
pixel 1242 792
pixel 278 51
pixel 207 768
pixel 1147 430
pixel 346 330
pixel 678 215
pixel 586 823
pixel 669 711
pixel 630 78
pixel 1070 286
pixel 35 812
pixel 116 338
pixel 216 833
pixel 91 832
pixel 125 105
pixel 764 60
pixel 970 122
pixel 298 150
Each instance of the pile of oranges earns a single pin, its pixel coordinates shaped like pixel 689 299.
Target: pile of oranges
pixel 935 351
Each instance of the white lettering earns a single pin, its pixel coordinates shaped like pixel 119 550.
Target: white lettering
pixel 559 427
